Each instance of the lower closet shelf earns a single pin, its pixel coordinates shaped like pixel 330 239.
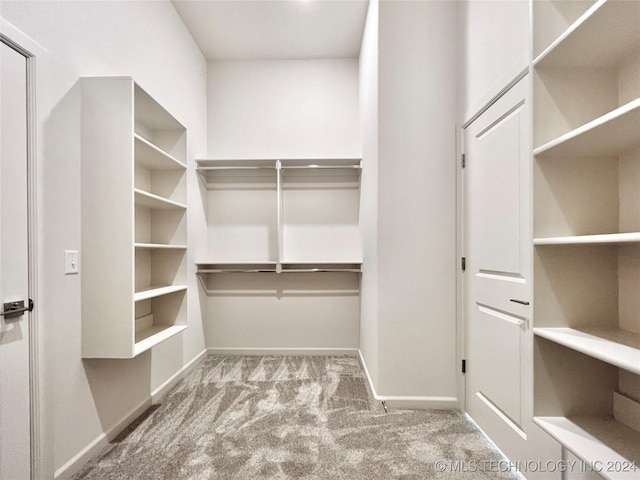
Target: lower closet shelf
pixel 609 447
pixel 151 292
pixel 613 346
pixel 151 336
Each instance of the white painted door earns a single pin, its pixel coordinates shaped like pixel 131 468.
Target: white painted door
pixel 14 268
pixel 498 269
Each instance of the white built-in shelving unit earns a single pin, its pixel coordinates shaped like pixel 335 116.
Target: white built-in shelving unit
pixel 279 216
pixel 134 231
pixel 587 229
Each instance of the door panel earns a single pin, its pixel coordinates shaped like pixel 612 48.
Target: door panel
pixel 497 247
pixel 497 362
pixel 14 267
pixel 495 217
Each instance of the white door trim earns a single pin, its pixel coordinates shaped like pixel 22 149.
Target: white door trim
pixel 10 37
pixel 460 279
pixel 461 224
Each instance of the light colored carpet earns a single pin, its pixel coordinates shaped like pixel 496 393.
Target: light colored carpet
pixel 289 418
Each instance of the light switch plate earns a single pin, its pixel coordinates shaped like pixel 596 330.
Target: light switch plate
pixel 71 262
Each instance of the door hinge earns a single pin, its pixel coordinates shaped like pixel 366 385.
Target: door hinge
pixel 464 160
pixel 464 366
pixel 463 263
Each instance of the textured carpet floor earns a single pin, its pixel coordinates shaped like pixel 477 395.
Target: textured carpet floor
pixel 290 418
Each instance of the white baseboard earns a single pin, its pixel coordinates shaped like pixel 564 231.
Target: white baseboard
pixel 626 410
pixel 99 443
pixel 349 352
pixel 162 390
pixel 368 375
pixel 79 460
pixel 409 402
pixel 419 403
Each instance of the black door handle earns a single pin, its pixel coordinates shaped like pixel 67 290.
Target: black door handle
pixel 16 309
pixel 521 302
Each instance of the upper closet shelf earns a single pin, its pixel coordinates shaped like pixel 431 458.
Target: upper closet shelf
pixel 592 439
pixel 154 158
pixel 327 267
pixel 278 267
pixel 606 239
pixel 612 133
pixel 160 246
pixel 236 267
pixel 213 171
pixel 601 37
pixel 320 163
pixel 204 165
pixel 613 346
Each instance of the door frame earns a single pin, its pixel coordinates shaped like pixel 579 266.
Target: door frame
pixel 461 225
pixel 461 342
pixel 16 40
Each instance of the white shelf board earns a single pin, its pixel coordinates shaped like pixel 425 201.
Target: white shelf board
pixel 238 164
pixel 224 171
pixel 599 38
pixel 613 346
pixel 235 267
pixel 596 439
pixel 322 163
pixel 154 158
pixel 323 269
pixel 347 266
pixel 160 246
pixel 286 162
pixel 614 132
pixel 313 266
pixel 151 292
pixel 322 262
pixel 150 200
pixel 604 239
pixel 287 267
pixel 152 336
pixel 242 262
pixel 230 174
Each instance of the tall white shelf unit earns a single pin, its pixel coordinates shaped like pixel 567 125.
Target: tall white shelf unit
pixel 586 89
pixel 134 229
pixel 281 216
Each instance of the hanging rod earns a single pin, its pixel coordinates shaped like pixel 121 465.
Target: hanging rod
pixel 235 270
pixel 323 270
pixel 291 270
pixel 332 167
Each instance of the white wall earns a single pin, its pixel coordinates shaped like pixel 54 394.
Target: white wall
pixel 283 108
pixel 369 191
pixel 280 109
pixel 83 399
pixel 494 48
pixel 417 98
pixel 413 324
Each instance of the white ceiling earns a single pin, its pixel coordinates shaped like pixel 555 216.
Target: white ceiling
pixel 275 29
